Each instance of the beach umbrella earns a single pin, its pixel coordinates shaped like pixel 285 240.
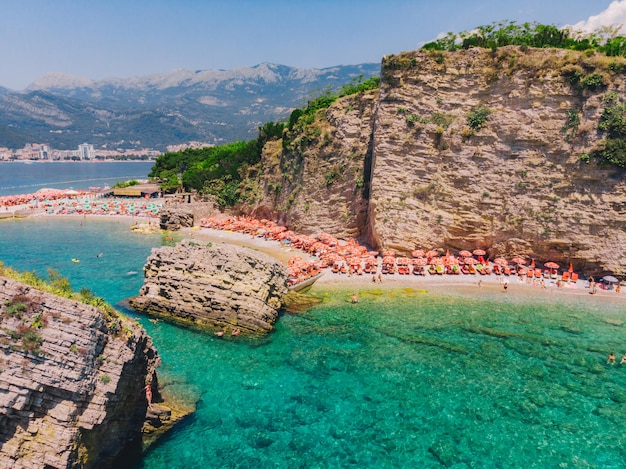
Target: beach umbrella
pixel 465 253
pixel 479 252
pixel 571 268
pixel 518 260
pixel 432 253
pixel 551 265
pixel 532 264
pixel 609 279
pixel 418 253
pixel 500 261
pixel 471 260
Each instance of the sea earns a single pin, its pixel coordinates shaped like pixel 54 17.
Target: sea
pixel 25 177
pixel 405 378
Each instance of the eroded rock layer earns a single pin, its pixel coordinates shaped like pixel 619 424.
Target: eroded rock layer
pixel 213 287
pixel 71 381
pixel 467 149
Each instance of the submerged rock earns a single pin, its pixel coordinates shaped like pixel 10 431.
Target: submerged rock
pixel 223 288
pixel 72 381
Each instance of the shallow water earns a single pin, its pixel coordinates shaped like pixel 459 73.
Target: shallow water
pixel 402 379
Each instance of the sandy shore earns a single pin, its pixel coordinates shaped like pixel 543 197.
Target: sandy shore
pixel 490 285
pixel 466 284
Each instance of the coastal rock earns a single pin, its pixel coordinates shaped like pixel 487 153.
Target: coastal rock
pixel 402 168
pixel 215 287
pixel 175 218
pixel 71 381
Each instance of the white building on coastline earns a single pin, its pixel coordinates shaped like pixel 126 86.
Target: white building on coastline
pixel 86 151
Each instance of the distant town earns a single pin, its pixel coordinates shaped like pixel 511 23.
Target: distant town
pixel 86 152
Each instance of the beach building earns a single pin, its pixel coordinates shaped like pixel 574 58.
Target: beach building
pixel 147 191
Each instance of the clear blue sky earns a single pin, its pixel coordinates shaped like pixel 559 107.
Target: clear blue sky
pixel 123 38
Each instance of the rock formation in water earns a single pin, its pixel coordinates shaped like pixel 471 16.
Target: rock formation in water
pixel 213 287
pixel 72 381
pixel 468 149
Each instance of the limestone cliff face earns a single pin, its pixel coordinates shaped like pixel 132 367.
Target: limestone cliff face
pixel 71 381
pixel 314 180
pixel 214 287
pixel 514 186
pixel 513 180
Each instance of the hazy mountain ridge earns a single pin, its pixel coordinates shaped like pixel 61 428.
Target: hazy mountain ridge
pixel 157 110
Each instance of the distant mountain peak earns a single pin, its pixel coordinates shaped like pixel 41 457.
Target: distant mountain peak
pixel 59 80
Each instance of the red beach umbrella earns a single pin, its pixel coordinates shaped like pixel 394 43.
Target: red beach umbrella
pixel 551 265
pixel 500 261
pixel 432 253
pixel 571 268
pixel 532 264
pixel 471 260
pixel 418 253
pixel 518 260
pixel 465 254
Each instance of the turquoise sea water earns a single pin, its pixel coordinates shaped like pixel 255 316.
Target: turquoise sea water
pixel 402 379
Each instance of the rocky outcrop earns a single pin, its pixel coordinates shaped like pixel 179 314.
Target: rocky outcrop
pixel 213 287
pixel 71 381
pixel 461 150
pixel 175 216
pixel 174 219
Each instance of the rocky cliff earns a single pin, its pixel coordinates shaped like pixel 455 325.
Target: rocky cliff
pixel 71 381
pixel 213 287
pixel 466 149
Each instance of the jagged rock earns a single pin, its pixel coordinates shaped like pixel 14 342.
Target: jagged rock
pixel 175 218
pixel 71 381
pixel 214 287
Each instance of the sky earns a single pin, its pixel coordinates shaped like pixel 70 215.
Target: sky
pixel 99 39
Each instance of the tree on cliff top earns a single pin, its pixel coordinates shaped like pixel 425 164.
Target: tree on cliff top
pixel 507 33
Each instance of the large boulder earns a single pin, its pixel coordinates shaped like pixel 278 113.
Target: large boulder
pixel 71 381
pixel 213 287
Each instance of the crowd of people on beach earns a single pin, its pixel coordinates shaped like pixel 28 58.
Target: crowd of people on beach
pixel 348 257
pixel 83 202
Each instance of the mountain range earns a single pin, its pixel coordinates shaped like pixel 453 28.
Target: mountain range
pixel 154 111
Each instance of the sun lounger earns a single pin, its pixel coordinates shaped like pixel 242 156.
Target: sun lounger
pixel 565 276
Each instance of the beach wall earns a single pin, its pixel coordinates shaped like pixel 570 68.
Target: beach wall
pixel 71 381
pixel 468 149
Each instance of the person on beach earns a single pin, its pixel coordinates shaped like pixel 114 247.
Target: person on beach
pixel 505 285
pixel 374 278
pixel 618 288
pixel 380 278
pixel 219 333
pixel 235 332
pixel 148 390
pixel 611 359
pixel 480 283
pixel 623 360
pixel 355 299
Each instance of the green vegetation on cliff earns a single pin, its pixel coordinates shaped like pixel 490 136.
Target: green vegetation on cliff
pixel 508 33
pixel 221 171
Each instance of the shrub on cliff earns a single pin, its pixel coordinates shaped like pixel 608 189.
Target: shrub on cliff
pixel 222 171
pixel 507 33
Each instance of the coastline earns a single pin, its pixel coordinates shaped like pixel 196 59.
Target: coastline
pixel 465 284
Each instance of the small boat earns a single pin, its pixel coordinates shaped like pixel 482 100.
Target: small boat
pixel 76 261
pixel 304 283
